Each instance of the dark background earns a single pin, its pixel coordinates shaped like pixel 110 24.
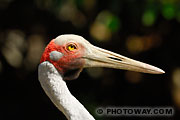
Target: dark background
pixel 147 31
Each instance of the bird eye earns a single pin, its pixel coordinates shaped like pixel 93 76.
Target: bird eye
pixel 71 47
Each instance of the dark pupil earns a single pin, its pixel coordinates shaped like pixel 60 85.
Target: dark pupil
pixel 72 46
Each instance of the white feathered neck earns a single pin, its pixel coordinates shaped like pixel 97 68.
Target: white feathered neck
pixel 57 90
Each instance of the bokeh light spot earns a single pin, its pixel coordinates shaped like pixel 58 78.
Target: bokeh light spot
pixel 137 44
pixel 113 23
pixel 176 77
pixel 104 26
pixel 100 32
pixel 95 72
pixel 176 97
pixel 134 44
pixel 35 49
pixel 133 77
pixel 149 18
pixel 14 47
pixel 168 11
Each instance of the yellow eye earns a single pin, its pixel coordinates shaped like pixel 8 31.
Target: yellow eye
pixel 71 47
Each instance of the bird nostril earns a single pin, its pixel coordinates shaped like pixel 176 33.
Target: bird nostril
pixel 115 58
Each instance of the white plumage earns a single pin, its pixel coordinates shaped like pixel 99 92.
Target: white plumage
pixel 57 90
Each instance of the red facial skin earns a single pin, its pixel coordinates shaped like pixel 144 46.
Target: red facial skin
pixel 70 59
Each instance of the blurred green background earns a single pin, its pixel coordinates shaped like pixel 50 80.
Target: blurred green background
pixel 145 30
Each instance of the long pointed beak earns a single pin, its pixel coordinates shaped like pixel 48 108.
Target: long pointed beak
pixel 98 57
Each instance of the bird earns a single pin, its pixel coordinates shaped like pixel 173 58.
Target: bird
pixel 65 57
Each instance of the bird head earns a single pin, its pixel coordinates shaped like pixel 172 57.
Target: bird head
pixel 71 53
